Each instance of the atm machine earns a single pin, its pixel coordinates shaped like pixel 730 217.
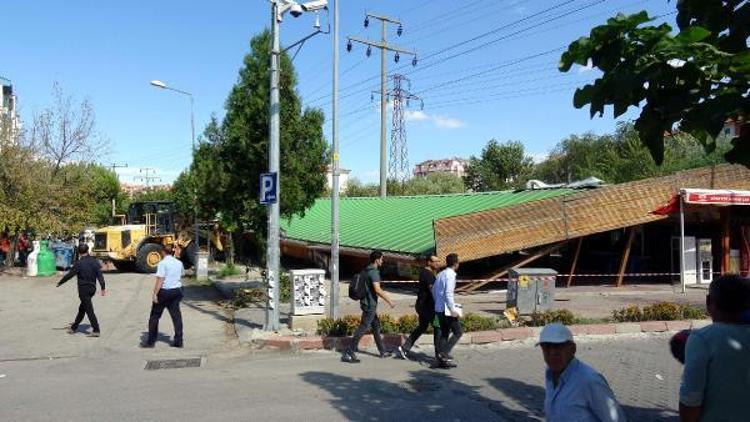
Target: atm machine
pixel 705 261
pixel 699 260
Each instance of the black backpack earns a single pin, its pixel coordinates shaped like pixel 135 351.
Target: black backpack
pixel 358 286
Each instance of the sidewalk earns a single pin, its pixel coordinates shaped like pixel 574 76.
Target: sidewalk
pixel 590 302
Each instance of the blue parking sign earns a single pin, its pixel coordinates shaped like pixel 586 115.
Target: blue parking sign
pixel 268 188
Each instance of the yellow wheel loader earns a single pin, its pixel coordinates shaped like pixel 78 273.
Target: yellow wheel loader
pixel 134 243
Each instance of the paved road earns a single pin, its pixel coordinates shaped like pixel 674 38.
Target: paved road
pixel 104 379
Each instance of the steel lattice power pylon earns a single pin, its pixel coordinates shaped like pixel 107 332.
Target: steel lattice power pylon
pixel 401 98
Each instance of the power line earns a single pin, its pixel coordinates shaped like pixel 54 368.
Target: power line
pixel 493 41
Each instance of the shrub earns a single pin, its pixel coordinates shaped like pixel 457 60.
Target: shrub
pixel 629 314
pixel 692 312
pixel 662 311
pixel 563 316
pixel 408 323
pixel 473 322
pixel 388 325
pixel 285 285
pixel 228 270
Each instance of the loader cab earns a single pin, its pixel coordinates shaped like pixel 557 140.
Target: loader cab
pixel 157 216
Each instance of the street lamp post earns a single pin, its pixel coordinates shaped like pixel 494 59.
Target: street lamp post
pixel 159 84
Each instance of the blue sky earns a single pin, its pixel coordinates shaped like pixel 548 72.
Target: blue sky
pixel 475 91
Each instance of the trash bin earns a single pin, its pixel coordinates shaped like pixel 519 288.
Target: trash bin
pixel 45 261
pixel 63 255
pixel 531 290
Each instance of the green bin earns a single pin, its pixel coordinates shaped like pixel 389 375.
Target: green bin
pixel 45 261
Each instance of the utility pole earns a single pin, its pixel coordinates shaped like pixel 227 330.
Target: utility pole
pixel 384 48
pixel 146 178
pixel 272 251
pixel 335 169
pixel 401 97
pixel 114 166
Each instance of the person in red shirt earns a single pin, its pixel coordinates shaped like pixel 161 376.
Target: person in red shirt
pixel 4 248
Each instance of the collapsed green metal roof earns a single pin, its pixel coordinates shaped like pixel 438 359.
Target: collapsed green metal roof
pixel 399 223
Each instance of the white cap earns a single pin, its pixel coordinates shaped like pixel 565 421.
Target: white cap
pixel 555 333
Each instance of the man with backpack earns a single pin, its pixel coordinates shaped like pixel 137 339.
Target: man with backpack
pixel 425 305
pixel 365 287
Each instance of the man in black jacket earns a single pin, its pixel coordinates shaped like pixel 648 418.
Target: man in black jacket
pixel 425 305
pixel 88 271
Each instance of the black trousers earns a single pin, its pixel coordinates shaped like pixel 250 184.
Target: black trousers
pixel 426 316
pixel 369 320
pixel 169 299
pixel 448 325
pixel 85 294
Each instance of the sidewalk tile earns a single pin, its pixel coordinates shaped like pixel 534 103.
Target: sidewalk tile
pixel 700 323
pixel 678 325
pixel 311 343
pixel 653 326
pixel 516 333
pixel 482 337
pixel 628 328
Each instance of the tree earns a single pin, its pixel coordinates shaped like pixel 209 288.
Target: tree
pixel 622 157
pixel 501 166
pixel 66 130
pixel 356 189
pixel 231 155
pixel 94 186
pixel 696 79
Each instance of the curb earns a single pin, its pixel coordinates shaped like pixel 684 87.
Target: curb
pixel 300 343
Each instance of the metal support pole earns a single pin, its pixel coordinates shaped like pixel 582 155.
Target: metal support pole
pixel 272 254
pixel 383 146
pixel 334 300
pixel 682 243
pixel 195 187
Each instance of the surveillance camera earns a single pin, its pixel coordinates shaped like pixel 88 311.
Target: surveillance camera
pixel 296 10
pixel 312 6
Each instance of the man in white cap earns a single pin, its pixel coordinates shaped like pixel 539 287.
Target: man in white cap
pixel 574 390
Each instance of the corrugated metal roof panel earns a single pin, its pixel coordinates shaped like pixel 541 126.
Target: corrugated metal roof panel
pixel 400 223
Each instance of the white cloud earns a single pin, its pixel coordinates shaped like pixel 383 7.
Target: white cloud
pixel 539 157
pixel 445 122
pixel 416 116
pixel 588 68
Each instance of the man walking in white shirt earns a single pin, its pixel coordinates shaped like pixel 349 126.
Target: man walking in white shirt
pixel 447 312
pixel 167 294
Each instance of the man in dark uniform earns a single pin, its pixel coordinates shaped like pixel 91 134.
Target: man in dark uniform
pixel 88 270
pixel 425 305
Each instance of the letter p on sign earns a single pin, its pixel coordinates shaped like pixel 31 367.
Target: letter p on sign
pixel 268 188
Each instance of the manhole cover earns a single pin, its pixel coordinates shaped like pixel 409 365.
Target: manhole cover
pixel 152 365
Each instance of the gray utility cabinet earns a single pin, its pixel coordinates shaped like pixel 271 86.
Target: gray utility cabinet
pixel 531 290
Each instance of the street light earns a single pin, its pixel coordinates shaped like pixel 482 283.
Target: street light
pixel 278 9
pixel 161 85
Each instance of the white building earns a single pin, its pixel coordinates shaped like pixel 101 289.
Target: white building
pixel 453 165
pixel 343 179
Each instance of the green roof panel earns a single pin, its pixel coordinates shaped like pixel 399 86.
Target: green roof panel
pixel 398 223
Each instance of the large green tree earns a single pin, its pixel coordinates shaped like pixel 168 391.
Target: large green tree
pixel 232 154
pixel 694 79
pixel 622 157
pixel 501 166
